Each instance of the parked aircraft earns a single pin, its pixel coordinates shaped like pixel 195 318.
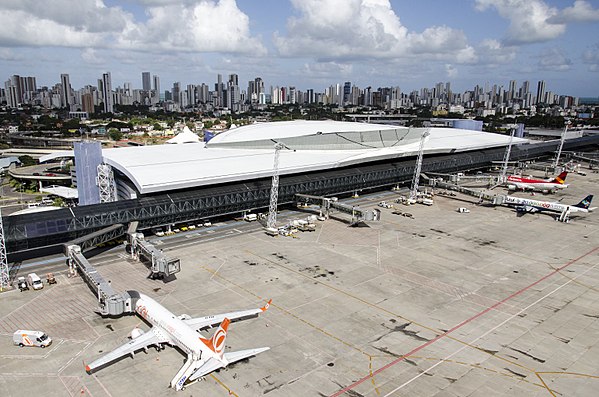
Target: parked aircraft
pixel 514 182
pixel 523 206
pixel 203 355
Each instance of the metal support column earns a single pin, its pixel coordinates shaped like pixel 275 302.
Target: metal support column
pixel 416 178
pixel 561 145
pixel 4 272
pixel 271 223
pixel 506 158
pixel 106 183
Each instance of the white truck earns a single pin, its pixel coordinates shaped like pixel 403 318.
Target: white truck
pixel 34 280
pixel 23 337
pixel 250 217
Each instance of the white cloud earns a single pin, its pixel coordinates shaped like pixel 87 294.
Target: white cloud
pixel 494 52
pixel 89 55
pixel 581 11
pixel 591 57
pixel 204 26
pixel 344 30
pixel 451 71
pixel 183 26
pixel 554 60
pixel 529 19
pixel 327 70
pixel 90 16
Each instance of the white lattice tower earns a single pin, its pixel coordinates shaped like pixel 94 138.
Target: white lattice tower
pixel 105 182
pixel 561 145
pixel 416 177
pixel 4 272
pixel 274 189
pixel 506 157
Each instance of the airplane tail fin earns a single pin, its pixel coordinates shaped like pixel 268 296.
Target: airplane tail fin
pixel 217 342
pixel 561 178
pixel 265 307
pixel 585 202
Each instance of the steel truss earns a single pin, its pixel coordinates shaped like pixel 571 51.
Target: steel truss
pixel 24 232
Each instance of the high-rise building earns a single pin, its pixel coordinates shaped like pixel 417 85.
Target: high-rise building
pixel 512 90
pixel 65 93
pixel 145 81
pixel 107 93
pixel 219 91
pixel 87 103
pixel 14 91
pixel 347 93
pixel 156 87
pixel 259 83
pixel 541 91
pixel 176 91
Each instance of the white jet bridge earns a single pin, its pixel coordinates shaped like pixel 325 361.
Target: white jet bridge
pixel 326 204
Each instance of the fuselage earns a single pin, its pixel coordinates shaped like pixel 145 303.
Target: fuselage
pixel 542 205
pixel 533 184
pixel 180 333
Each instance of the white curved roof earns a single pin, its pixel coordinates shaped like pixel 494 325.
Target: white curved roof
pixel 168 167
pixel 288 129
pixel 160 168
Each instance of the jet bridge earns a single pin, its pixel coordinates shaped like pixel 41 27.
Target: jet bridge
pixel 438 182
pixel 357 214
pixel 110 303
pixel 160 265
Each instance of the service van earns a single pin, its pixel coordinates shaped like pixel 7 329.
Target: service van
pixel 34 280
pixel 23 337
pixel 251 217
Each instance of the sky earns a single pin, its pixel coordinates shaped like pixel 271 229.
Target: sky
pixel 306 43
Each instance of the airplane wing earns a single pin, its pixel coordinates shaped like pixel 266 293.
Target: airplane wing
pixel 141 342
pixel 200 323
pixel 230 358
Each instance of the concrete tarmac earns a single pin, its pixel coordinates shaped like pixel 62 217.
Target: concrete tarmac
pixel 484 303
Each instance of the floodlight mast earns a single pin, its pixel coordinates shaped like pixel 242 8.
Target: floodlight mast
pixel 561 145
pixel 506 157
pixel 271 222
pixel 4 271
pixel 416 178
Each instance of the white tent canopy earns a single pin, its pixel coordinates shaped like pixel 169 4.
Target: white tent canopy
pixel 185 137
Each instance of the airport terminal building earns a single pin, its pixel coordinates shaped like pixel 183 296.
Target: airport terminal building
pixel 165 184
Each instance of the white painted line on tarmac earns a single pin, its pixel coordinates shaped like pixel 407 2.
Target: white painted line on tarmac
pixel 489 331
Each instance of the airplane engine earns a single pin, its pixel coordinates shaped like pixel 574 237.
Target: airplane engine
pixel 136 333
pixel 185 317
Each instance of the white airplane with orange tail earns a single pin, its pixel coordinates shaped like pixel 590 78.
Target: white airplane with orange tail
pixel 203 355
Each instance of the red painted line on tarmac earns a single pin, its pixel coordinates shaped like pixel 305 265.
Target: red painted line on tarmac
pixel 438 337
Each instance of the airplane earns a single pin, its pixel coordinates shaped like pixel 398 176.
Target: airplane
pixel 514 182
pixel 524 206
pixel 203 355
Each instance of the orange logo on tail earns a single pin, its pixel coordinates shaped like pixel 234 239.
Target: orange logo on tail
pixel 265 308
pixel 217 342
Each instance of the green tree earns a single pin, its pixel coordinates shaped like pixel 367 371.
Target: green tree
pixel 115 134
pixel 27 160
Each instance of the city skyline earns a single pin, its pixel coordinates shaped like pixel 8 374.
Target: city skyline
pixel 308 44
